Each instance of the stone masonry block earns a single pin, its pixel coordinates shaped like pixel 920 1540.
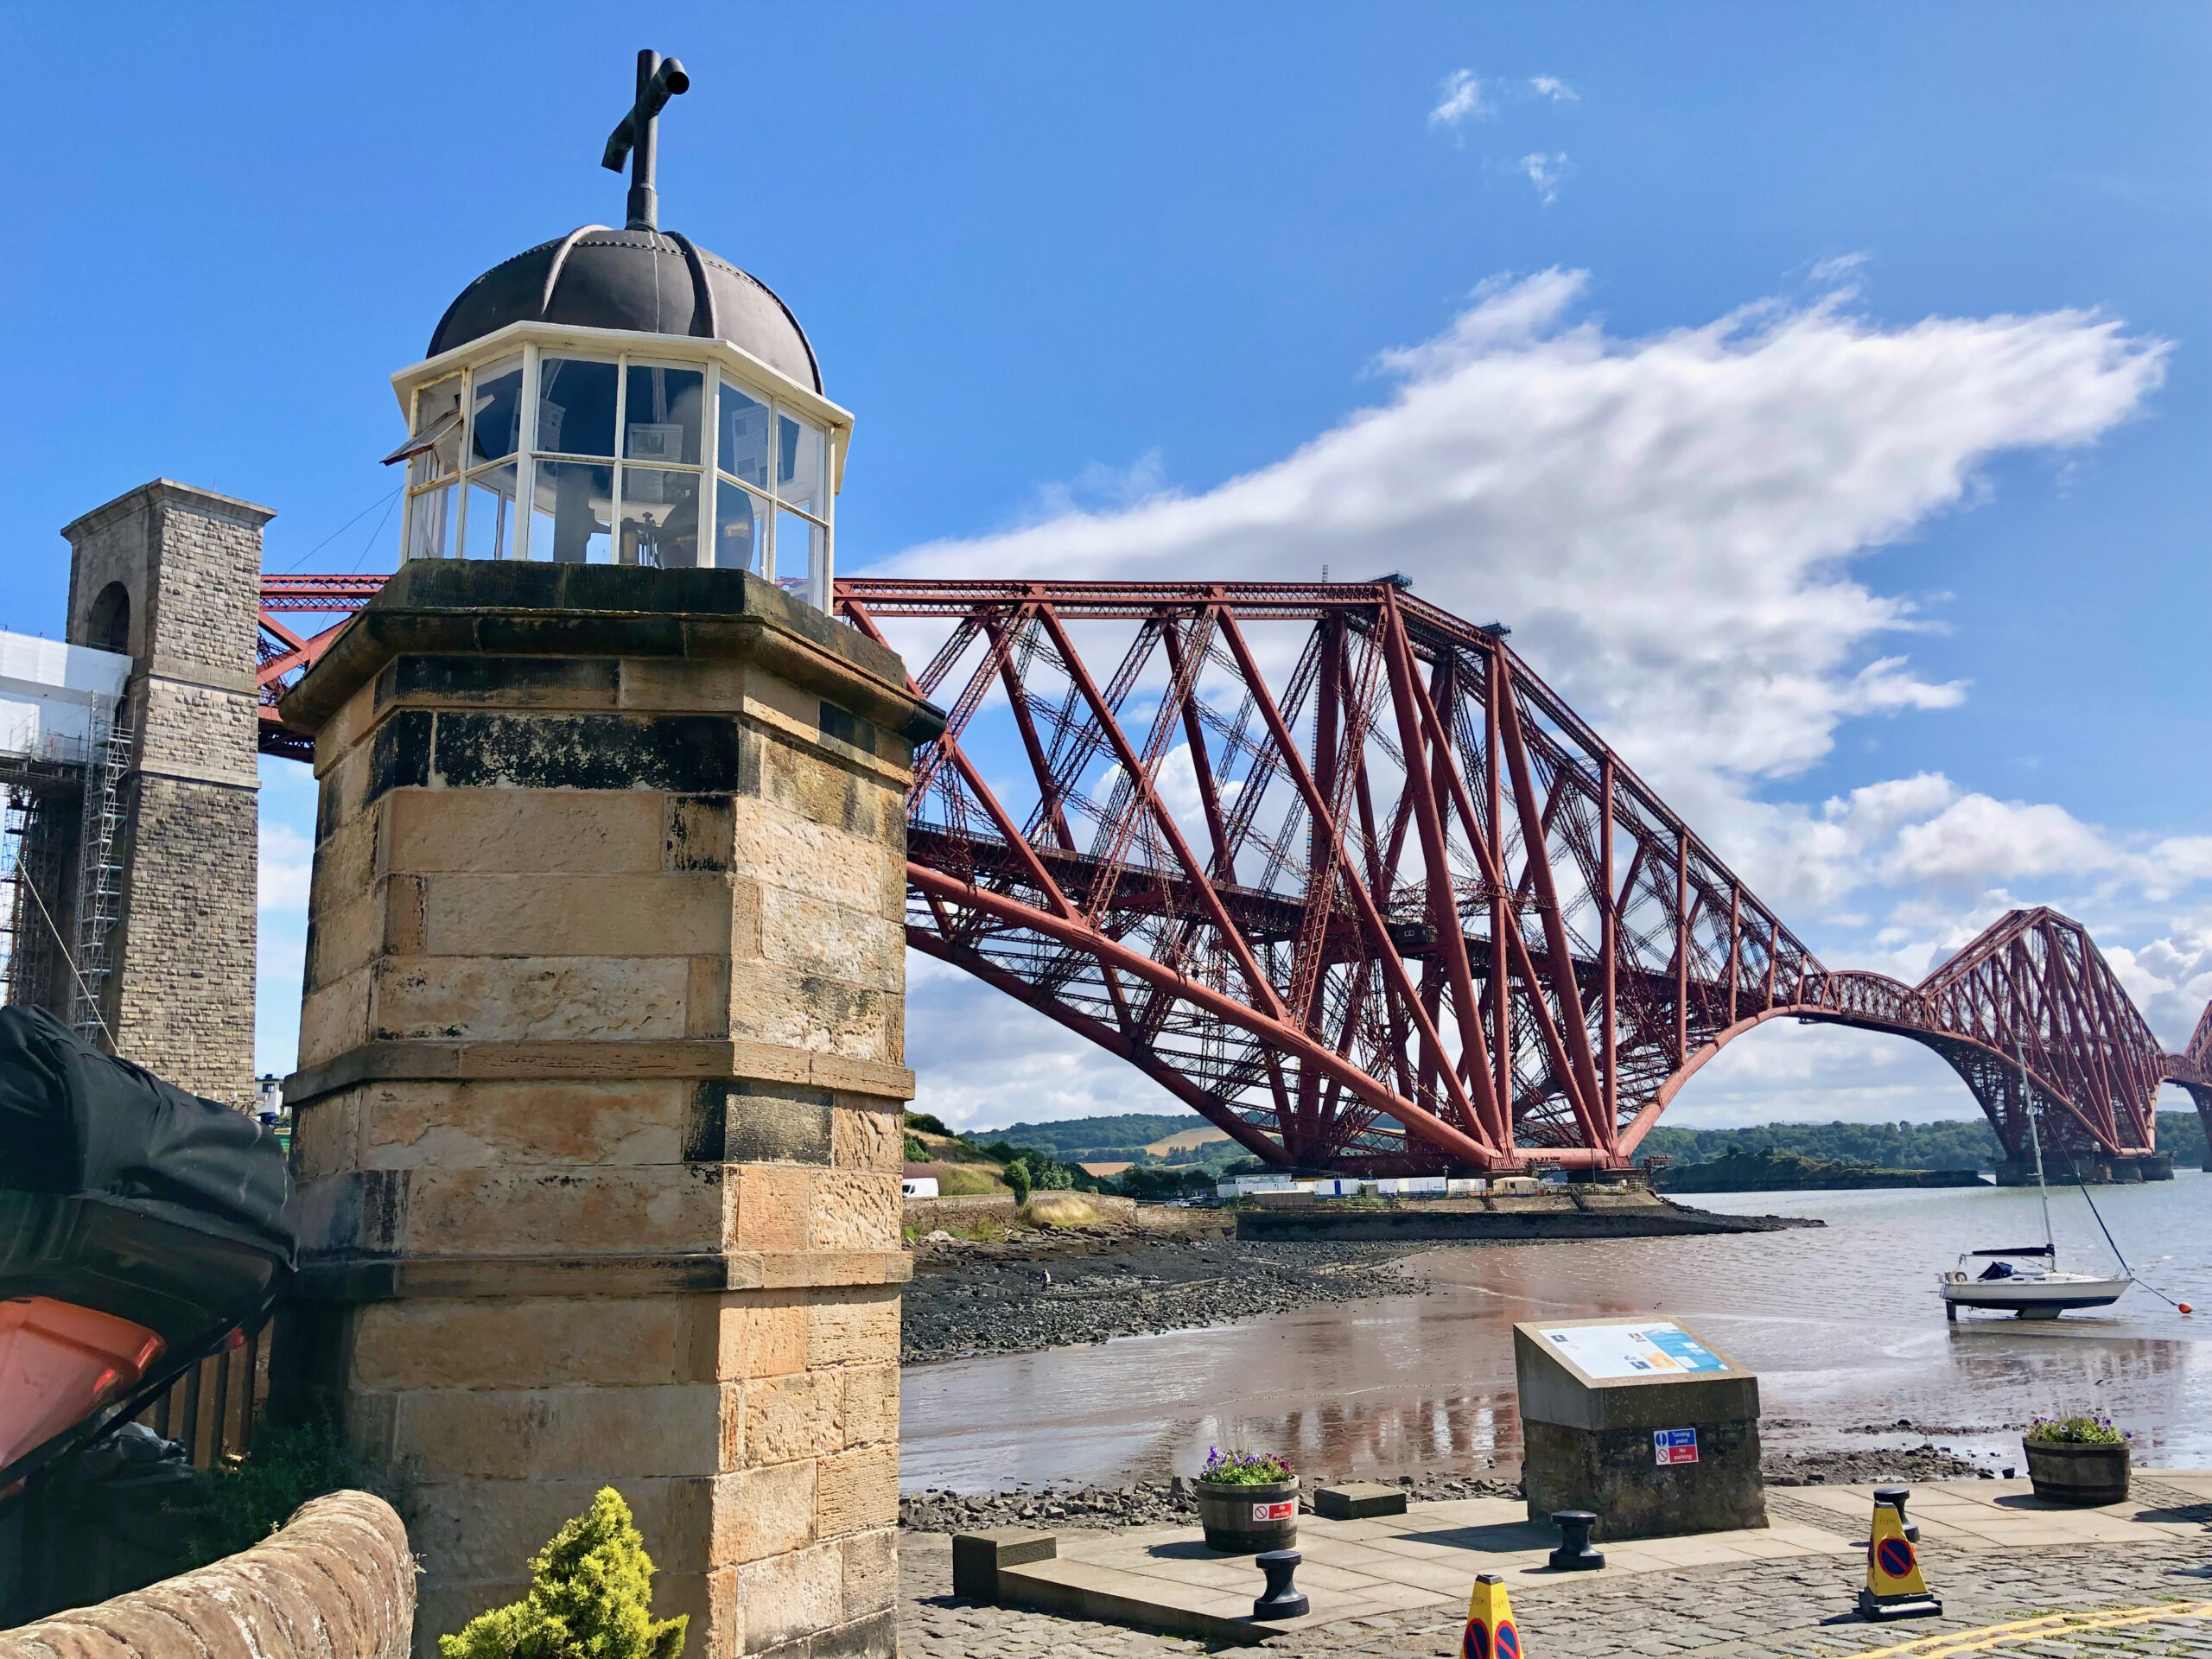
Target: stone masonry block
pixel 869 1415
pixel 484 1531
pixel 828 790
pixel 871 1571
pixel 772 1204
pixel 752 1120
pixel 529 999
pixel 854 1209
pixel 348 935
pixel 762 1512
pixel 471 914
pixel 808 937
pixel 761 1333
pixel 854 1326
pixel 788 1418
pixel 855 1491
pixel 782 849
pixel 790 1595
pixel 488 1343
pixel 521 831
pixel 335 1018
pixel 325 1137
pixel 484 1124
pixel 349 860
pixel 867 1136
pixel 570 1433
pixel 554 1210
pixel 772 1005
pixel 698 832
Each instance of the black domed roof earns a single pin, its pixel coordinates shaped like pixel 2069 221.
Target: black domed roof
pixel 653 281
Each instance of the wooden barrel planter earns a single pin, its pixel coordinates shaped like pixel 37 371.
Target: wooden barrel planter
pixel 2067 1472
pixel 1243 1520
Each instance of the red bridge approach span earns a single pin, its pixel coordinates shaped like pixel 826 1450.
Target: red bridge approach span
pixel 1336 869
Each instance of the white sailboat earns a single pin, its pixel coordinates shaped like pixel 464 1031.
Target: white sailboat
pixel 2038 1293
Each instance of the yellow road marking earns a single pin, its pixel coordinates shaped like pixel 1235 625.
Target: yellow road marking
pixel 2034 1629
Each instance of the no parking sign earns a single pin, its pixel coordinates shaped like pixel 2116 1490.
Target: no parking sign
pixel 1674 1445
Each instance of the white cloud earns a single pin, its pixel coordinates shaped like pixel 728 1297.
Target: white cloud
pixel 1840 267
pixel 1553 88
pixel 1976 839
pixel 2169 978
pixel 1463 99
pixel 1669 523
pixel 287 862
pixel 1545 172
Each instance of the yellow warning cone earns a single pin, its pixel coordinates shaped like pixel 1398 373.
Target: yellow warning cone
pixel 1894 1588
pixel 1491 1633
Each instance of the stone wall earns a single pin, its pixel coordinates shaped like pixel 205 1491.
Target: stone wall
pixel 335 1582
pixel 598 1115
pixel 180 994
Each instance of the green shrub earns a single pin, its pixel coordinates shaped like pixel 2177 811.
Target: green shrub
pixel 590 1598
pixel 916 1152
pixel 926 1122
pixel 241 1501
pixel 1017 1177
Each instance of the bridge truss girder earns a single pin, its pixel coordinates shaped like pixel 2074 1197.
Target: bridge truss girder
pixel 1372 898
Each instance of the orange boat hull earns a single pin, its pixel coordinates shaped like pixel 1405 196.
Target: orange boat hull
pixel 60 1363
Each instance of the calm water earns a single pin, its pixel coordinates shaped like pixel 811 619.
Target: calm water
pixel 1842 1324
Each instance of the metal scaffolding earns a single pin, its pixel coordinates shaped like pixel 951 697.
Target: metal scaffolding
pixel 64 799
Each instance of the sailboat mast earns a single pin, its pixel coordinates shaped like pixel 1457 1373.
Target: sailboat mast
pixel 2028 1105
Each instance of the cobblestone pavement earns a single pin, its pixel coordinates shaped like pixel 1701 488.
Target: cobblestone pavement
pixel 1799 1609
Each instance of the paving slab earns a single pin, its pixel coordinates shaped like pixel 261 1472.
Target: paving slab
pixel 1383 1570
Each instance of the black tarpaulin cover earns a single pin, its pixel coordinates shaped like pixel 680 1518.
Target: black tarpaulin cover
pixel 122 1193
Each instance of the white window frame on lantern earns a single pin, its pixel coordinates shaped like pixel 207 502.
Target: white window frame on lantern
pixel 455 508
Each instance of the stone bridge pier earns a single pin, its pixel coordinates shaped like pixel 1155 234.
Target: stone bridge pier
pixel 598 1134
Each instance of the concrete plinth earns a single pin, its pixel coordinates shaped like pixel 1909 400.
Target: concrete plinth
pixel 2097 1170
pixel 598 1138
pixel 1640 1421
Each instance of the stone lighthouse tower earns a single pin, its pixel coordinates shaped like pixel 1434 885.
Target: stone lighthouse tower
pixel 601 1054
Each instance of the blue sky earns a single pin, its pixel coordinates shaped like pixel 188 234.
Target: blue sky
pixel 1822 391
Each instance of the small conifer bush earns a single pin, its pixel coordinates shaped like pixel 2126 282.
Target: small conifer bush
pixel 591 1595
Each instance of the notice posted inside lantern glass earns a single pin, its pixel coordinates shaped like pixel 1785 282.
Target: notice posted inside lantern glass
pixel 1646 1348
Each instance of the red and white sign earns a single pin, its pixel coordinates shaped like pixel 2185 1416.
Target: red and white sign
pixel 1282 1511
pixel 1674 1444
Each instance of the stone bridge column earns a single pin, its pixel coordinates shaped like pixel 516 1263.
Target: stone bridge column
pixel 598 1134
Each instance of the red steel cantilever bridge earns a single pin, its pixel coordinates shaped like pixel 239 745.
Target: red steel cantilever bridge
pixel 1337 869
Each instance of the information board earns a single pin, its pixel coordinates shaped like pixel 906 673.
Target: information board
pixel 1643 1348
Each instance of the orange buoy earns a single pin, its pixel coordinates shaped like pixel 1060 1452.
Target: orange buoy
pixel 2185 1307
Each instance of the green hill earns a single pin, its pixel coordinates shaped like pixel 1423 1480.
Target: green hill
pixel 1957 1143
pixel 1962 1143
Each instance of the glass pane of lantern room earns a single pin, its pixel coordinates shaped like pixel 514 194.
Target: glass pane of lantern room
pixel 570 512
pixel 429 523
pixel 496 426
pixel 742 425
pixel 800 545
pixel 437 411
pixel 661 421
pixel 492 514
pixel 576 407
pixel 660 517
pixel 799 464
pixel 740 529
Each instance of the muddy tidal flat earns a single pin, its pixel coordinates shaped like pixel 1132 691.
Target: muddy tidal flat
pixel 1366 1378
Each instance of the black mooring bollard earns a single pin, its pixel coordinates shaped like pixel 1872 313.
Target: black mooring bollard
pixel 1284 1600
pixel 1896 1495
pixel 1574 1554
